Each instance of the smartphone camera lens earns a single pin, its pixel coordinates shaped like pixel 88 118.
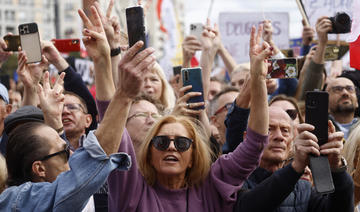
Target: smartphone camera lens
pixel 186 75
pixel 192 27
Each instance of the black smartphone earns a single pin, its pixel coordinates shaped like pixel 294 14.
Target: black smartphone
pixel 135 25
pixel 12 42
pixel 177 70
pixel 282 68
pixel 193 76
pixel 30 41
pixel 316 113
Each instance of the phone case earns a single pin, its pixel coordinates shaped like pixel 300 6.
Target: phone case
pixel 135 25
pixel 282 68
pixel 316 113
pixel 192 76
pixel 67 45
pixel 12 42
pixel 30 41
pixel 321 173
pixel 196 30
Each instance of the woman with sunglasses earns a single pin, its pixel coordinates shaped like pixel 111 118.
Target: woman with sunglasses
pixel 173 170
pixel 35 149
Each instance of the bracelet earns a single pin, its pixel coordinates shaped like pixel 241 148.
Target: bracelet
pixel 115 52
pixel 60 130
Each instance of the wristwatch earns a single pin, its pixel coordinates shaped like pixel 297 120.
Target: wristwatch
pixel 115 52
pixel 342 168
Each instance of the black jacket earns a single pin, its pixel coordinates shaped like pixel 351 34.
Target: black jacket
pixel 283 191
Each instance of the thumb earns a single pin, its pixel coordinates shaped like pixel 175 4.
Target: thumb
pixel 266 52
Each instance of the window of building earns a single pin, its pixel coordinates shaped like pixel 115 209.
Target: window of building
pixel 10 29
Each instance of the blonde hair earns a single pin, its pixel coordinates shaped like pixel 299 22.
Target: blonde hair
pixel 351 145
pixel 167 97
pixel 3 173
pixel 201 154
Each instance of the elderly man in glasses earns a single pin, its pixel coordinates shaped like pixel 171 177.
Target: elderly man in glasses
pixel 75 119
pixel 342 104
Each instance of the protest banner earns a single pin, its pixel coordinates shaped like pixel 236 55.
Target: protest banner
pixel 235 28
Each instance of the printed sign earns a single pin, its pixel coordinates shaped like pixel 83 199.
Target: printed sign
pixel 317 8
pixel 235 29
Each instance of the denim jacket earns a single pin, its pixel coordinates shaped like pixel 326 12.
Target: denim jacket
pixel 90 167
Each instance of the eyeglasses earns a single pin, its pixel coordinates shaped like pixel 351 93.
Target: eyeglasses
pixel 145 115
pixel 292 113
pixel 338 89
pixel 227 107
pixel 162 142
pixel 66 151
pixel 74 107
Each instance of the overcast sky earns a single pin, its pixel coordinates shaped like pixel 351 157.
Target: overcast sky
pixel 197 10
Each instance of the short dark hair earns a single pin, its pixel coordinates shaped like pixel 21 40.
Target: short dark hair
pixel 225 90
pixel 23 148
pixel 159 106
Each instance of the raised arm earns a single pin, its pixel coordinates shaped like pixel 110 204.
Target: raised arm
pixel 131 69
pixel 210 42
pixel 259 112
pixel 112 30
pixel 30 76
pixel 99 50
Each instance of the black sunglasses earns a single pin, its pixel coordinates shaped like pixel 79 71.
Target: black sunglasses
pixel 162 142
pixel 66 151
pixel 292 113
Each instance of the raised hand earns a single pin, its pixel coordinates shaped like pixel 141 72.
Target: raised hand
pixel 95 38
pixel 53 55
pixel 4 55
pixel 30 74
pixel 111 25
pixel 184 108
pixel 323 26
pixel 52 100
pixel 305 144
pixel 132 67
pixel 267 31
pixel 307 34
pixel 189 46
pixel 258 53
pixel 210 38
pixel 333 147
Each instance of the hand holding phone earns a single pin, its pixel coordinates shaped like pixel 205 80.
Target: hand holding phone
pixel 12 42
pixel 30 41
pixel 193 77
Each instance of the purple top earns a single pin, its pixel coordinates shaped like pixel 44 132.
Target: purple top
pixel 128 191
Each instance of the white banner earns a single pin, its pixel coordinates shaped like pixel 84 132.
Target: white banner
pixel 317 8
pixel 235 31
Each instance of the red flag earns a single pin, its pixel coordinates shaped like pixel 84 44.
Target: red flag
pixel 354 39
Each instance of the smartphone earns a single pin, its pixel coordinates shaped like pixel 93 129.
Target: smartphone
pixel 196 30
pixel 288 52
pixel 12 42
pixel 331 53
pixel 316 113
pixel 30 41
pixel 282 68
pixel 67 45
pixel 135 25
pixel 177 70
pixel 193 76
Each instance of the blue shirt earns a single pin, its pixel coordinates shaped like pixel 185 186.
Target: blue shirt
pixel 90 167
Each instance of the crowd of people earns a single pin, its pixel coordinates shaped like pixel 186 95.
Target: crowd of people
pixel 140 145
